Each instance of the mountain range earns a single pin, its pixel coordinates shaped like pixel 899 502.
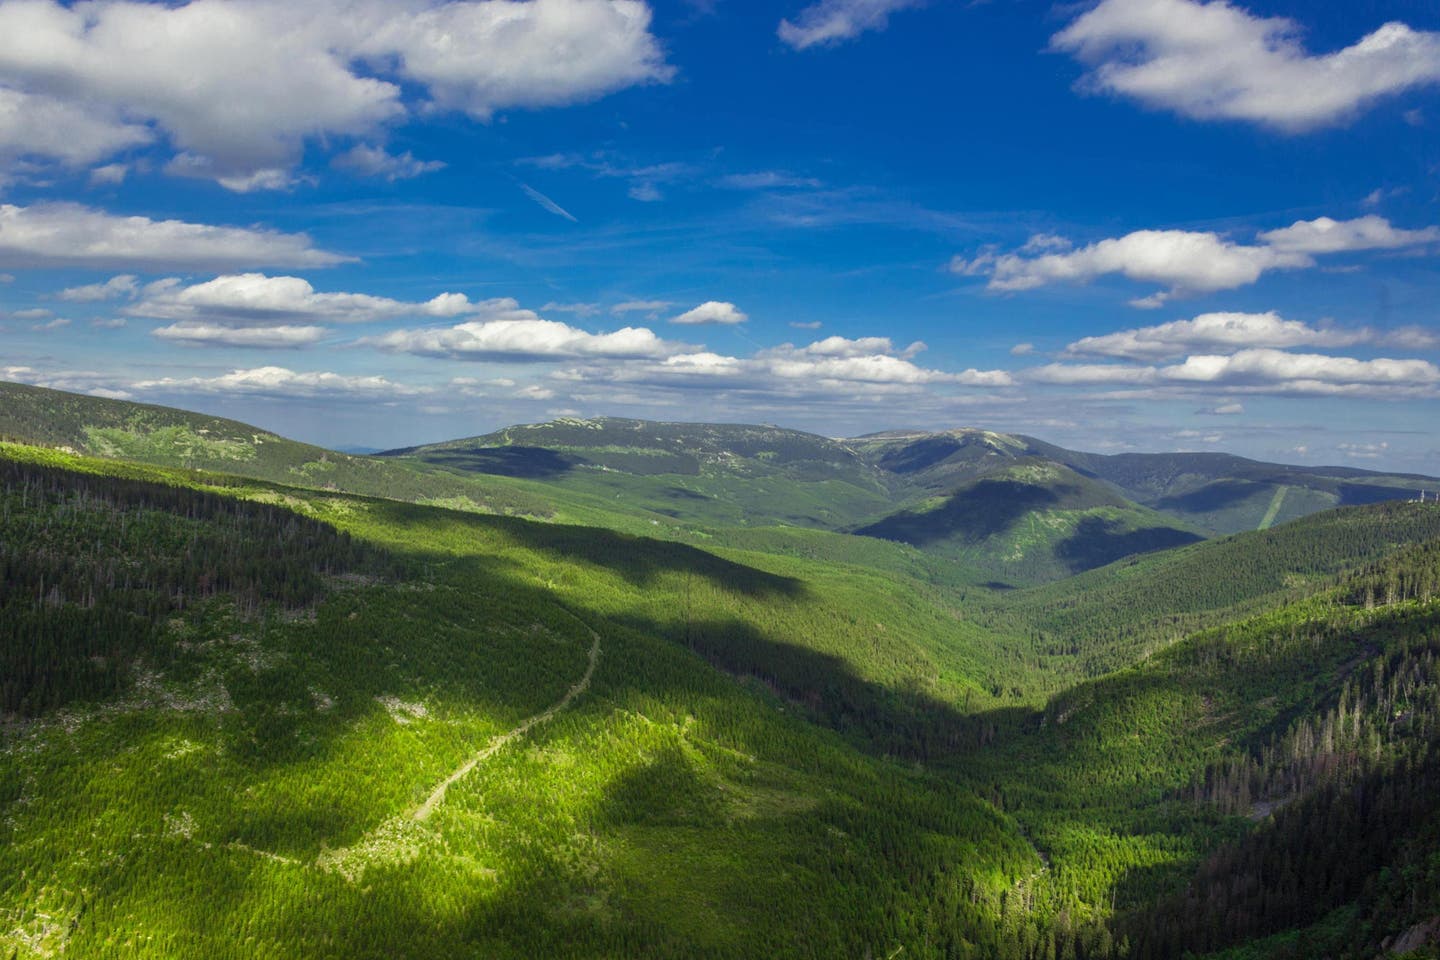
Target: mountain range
pixel 596 688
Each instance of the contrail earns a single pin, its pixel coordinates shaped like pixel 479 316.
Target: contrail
pixel 547 203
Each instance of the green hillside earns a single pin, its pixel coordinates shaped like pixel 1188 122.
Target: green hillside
pixel 708 474
pixel 286 756
pixel 1216 492
pixel 279 758
pixel 1029 522
pixel 244 716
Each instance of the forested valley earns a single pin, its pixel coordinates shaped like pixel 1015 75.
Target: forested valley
pixel 248 717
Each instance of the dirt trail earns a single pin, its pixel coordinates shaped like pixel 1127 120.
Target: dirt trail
pixel 498 743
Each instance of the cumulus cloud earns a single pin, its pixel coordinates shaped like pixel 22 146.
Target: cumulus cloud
pixel 860 347
pixel 255 299
pixel 711 311
pixel 835 21
pixel 1263 366
pixel 832 366
pixel 1185 261
pixel 115 288
pixel 238 87
pixel 509 333
pixel 76 135
pixel 1259 370
pixel 255 310
pixel 1215 330
pixel 283 383
pixel 67 234
pixel 1325 235
pixel 368 161
pixel 1214 61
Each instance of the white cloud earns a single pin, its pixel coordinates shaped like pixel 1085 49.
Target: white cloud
pixel 254 299
pixel 76 381
pixel 509 333
pixel 1226 410
pixel 1262 366
pixel 1184 261
pixel 1215 61
pixel 832 366
pixel 834 21
pixel 112 289
pixel 1260 370
pixel 283 383
pixel 1325 235
pixel 806 324
pixel 859 347
pixel 42 126
pixel 54 324
pixel 1214 330
pixel 213 334
pixel 1410 338
pixel 712 311
pixel 65 234
pixel 1022 349
pixel 368 161
pixel 239 87
pixel 110 173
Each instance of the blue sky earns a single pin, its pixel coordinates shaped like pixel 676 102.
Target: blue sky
pixel 1127 224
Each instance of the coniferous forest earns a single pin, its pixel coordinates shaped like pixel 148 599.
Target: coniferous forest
pixel 248 717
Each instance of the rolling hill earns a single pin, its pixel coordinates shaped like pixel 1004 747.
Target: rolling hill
pixel 1217 492
pixel 990 507
pixel 366 728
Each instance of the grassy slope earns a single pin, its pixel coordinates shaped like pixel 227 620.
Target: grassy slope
pixel 168 437
pixel 671 810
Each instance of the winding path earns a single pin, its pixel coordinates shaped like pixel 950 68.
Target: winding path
pixel 498 742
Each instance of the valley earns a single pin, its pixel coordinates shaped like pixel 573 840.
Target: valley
pixel 600 688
